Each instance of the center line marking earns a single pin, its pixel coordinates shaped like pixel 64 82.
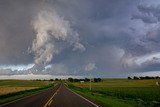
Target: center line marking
pixel 50 103
pixel 50 100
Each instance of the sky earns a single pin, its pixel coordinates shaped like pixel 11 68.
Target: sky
pixel 108 38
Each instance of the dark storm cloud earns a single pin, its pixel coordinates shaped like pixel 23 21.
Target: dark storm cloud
pixel 149 14
pixel 16 33
pixel 113 33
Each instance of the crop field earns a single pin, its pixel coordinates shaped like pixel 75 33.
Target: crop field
pixel 10 86
pixel 6 90
pixel 14 89
pixel 121 92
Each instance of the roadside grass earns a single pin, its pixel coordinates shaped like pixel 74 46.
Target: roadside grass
pixel 41 86
pixel 100 98
pixel 121 92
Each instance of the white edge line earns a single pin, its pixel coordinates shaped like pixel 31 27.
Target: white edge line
pixel 22 98
pixel 83 97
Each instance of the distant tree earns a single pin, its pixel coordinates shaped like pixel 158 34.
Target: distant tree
pixel 141 78
pixel 56 79
pixel 51 79
pixel 129 78
pixel 135 78
pixel 70 79
pixel 147 77
pixel 86 79
pixel 157 77
pixel 76 80
pixel 97 79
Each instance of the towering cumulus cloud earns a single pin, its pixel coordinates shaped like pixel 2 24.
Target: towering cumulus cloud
pixel 53 33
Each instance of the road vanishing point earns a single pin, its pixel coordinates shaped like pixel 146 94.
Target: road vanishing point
pixel 59 96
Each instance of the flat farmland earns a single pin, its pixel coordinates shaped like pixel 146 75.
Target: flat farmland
pixel 14 89
pixel 6 90
pixel 10 86
pixel 121 92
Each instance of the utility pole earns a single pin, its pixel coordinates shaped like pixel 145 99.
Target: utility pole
pixel 90 85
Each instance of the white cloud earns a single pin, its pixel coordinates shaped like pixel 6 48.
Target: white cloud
pixel 17 67
pixel 90 67
pixel 150 73
pixel 33 77
pixel 54 33
pixel 149 57
pixel 58 68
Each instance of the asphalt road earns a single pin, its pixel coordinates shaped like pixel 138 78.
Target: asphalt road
pixel 60 96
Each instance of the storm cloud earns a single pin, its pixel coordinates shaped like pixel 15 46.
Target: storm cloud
pixel 112 37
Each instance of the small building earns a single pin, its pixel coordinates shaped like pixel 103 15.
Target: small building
pixel 157 83
pixel 81 81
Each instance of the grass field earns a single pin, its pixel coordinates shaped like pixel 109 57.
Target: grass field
pixel 14 89
pixel 121 92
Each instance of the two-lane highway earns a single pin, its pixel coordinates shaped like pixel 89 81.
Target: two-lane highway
pixel 37 100
pixel 60 96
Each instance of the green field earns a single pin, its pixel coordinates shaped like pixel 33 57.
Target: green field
pixel 27 87
pixel 121 92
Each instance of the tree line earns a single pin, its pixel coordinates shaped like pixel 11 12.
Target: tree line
pixel 85 80
pixel 142 78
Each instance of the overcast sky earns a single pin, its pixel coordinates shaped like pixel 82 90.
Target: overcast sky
pixel 110 38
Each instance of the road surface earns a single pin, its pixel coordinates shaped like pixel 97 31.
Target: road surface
pixel 60 96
